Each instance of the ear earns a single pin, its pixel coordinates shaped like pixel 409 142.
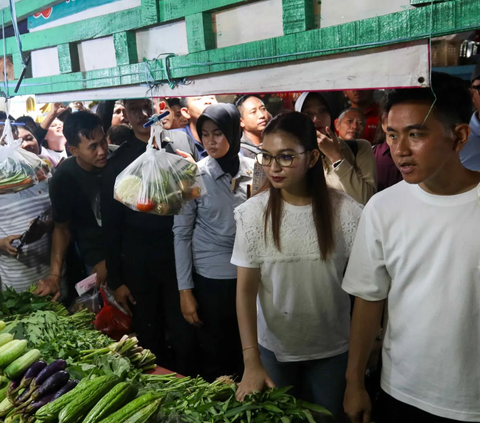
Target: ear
pixel 314 157
pixel 242 124
pixel 462 133
pixel 185 113
pixel 73 150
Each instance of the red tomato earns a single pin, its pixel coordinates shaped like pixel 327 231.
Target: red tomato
pixel 145 206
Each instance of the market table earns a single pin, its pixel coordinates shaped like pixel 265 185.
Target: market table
pixel 162 371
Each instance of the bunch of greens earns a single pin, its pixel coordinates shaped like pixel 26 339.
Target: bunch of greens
pixel 194 401
pixel 127 347
pixel 58 336
pixel 13 303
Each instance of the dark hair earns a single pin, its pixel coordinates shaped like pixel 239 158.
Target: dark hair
pixel 81 124
pixel 118 134
pixel 173 101
pixel 27 120
pixel 240 99
pixel 300 127
pixel 453 102
pixel 183 102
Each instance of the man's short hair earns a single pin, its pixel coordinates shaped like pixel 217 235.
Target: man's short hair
pixel 81 124
pixel 174 101
pixel 453 102
pixel 352 109
pixel 118 134
pixel 240 99
pixel 183 102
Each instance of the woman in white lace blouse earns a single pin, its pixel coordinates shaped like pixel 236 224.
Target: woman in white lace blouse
pixel 292 245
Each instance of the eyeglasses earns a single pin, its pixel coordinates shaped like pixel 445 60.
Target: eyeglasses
pixel 476 88
pixel 283 160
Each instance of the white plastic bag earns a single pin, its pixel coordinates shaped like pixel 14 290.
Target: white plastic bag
pixel 158 182
pixel 19 169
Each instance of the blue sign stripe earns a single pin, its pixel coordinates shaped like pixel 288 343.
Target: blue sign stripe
pixel 62 10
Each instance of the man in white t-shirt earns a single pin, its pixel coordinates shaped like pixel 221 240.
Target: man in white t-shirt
pixel 418 246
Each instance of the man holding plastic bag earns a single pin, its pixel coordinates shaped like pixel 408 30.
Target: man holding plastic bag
pixel 139 244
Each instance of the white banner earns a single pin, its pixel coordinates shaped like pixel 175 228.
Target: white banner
pixel 395 66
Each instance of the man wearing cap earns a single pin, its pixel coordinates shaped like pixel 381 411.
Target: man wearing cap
pixel 470 155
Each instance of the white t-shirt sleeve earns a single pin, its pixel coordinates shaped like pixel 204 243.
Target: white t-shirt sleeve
pixel 367 276
pixel 242 254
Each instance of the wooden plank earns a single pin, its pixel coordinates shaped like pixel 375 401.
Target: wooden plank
pixel 99 27
pixel 26 8
pixel 125 44
pixel 177 9
pixel 68 58
pixel 297 16
pixel 150 12
pixel 200 36
pixel 426 2
pixel 355 36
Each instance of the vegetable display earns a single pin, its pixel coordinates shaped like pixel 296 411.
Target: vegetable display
pixel 113 386
pixel 158 182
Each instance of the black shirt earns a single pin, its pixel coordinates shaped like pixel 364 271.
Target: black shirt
pixel 128 232
pixel 75 197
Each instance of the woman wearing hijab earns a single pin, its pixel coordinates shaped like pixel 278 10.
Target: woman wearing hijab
pixel 349 166
pixel 204 238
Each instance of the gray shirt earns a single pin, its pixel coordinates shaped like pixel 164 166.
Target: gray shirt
pixel 205 231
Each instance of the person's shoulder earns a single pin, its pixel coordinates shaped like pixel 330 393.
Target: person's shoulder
pixel 205 165
pixel 66 166
pixel 175 135
pixel 246 163
pixel 388 200
pixel 255 205
pixel 342 202
pixel 364 145
pixel 118 153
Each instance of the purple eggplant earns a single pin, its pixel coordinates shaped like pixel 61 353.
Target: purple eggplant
pixel 32 372
pixel 14 384
pixel 68 387
pixel 50 370
pixel 23 397
pixel 13 388
pixel 52 384
pixel 36 405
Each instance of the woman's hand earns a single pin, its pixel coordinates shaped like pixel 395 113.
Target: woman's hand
pixel 255 377
pixel 189 307
pixel 330 145
pixel 6 245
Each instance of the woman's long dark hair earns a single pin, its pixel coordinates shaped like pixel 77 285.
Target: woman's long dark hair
pixel 302 130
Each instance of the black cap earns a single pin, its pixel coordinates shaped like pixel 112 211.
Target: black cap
pixel 476 72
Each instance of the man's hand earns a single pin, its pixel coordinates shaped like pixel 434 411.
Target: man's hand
pixel 255 378
pixel 187 156
pixel 101 270
pixel 330 145
pixel 357 404
pixel 123 296
pixel 189 307
pixel 49 286
pixel 6 245
pixel 57 109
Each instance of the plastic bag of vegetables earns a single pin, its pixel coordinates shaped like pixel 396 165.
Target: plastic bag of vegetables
pixel 19 169
pixel 158 182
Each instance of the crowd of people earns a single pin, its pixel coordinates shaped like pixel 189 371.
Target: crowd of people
pixel 365 235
